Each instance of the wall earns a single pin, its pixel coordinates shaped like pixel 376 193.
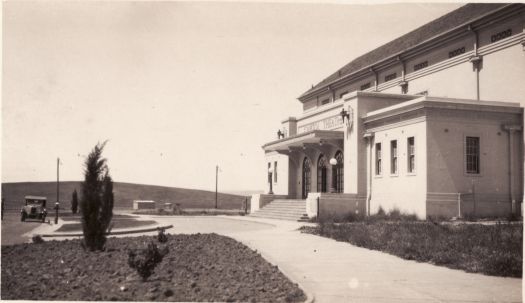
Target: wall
pixel 446 151
pixel 501 74
pixel 457 81
pixel 355 149
pixel 338 206
pixel 279 187
pixel 405 191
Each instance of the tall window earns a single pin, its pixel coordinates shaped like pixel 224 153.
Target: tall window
pixel 306 177
pixel 275 171
pixel 339 172
pixel 378 158
pixel 472 155
pixel 411 155
pixel 321 174
pixel 393 157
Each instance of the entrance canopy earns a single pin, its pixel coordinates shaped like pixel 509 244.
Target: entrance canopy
pixel 306 139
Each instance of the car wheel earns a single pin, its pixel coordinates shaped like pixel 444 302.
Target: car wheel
pixel 23 217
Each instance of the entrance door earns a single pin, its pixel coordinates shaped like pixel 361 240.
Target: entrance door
pixel 321 175
pixel 306 177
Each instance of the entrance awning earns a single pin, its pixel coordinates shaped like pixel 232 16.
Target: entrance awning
pixel 303 140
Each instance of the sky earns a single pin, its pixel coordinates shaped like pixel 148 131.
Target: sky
pixel 175 88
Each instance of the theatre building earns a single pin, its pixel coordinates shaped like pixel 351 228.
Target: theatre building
pixel 430 124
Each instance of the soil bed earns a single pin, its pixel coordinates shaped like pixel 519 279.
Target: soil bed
pixel 201 267
pixel 490 249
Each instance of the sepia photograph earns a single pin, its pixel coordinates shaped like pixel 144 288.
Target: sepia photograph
pixel 262 151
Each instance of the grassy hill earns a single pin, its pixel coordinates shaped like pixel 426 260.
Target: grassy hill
pixel 125 193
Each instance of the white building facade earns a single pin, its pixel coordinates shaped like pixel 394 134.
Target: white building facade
pixel 430 124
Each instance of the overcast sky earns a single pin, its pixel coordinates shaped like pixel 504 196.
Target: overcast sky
pixel 176 87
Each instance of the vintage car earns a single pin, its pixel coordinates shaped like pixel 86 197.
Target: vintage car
pixel 34 208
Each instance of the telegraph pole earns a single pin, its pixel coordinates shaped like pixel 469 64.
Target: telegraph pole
pixel 216 183
pixel 58 175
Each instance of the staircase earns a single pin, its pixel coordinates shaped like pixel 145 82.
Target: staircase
pixel 283 209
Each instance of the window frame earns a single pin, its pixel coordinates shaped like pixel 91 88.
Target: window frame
pixel 378 160
pixel 274 171
pixel 411 168
pixel 394 158
pixel 465 155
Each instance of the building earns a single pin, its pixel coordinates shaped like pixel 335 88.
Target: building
pixel 429 123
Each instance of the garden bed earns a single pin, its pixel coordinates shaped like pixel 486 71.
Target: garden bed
pixel 201 267
pixel 489 249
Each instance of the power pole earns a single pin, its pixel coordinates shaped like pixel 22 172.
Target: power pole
pixel 216 183
pixel 58 175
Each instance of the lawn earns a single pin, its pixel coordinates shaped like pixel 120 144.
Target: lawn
pixel 489 249
pixel 197 268
pixel 118 222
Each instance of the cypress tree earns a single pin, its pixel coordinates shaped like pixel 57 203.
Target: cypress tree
pixel 96 203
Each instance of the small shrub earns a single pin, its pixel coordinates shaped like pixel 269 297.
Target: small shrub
pixel 37 239
pixel 161 237
pixel 144 261
pixel 381 212
pixel 74 202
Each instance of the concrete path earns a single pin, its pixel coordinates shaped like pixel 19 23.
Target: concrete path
pixel 339 272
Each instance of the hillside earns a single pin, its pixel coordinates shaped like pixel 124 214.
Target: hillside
pixel 125 193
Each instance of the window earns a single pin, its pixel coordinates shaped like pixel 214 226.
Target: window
pixel 342 94
pixel 393 157
pixel 390 77
pixel 420 65
pixel 365 86
pixel 321 174
pixel 275 171
pixel 339 172
pixel 411 155
pixel 378 158
pixel 456 52
pixel 472 155
pixel 325 101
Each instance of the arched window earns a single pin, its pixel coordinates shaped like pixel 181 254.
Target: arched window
pixel 321 174
pixel 338 173
pixel 306 177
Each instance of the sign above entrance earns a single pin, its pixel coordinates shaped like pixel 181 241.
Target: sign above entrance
pixel 324 124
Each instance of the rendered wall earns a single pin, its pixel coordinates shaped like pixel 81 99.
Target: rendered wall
pixel 279 187
pixel 446 160
pixel 355 149
pixel 496 74
pixel 404 191
pixel 458 81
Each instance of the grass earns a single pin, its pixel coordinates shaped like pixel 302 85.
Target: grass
pixel 125 193
pixel 489 249
pixel 119 223
pixel 191 212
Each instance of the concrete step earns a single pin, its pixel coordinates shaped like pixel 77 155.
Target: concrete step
pixel 276 216
pixel 274 212
pixel 284 209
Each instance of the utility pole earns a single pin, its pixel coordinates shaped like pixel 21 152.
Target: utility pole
pixel 216 183
pixel 58 176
